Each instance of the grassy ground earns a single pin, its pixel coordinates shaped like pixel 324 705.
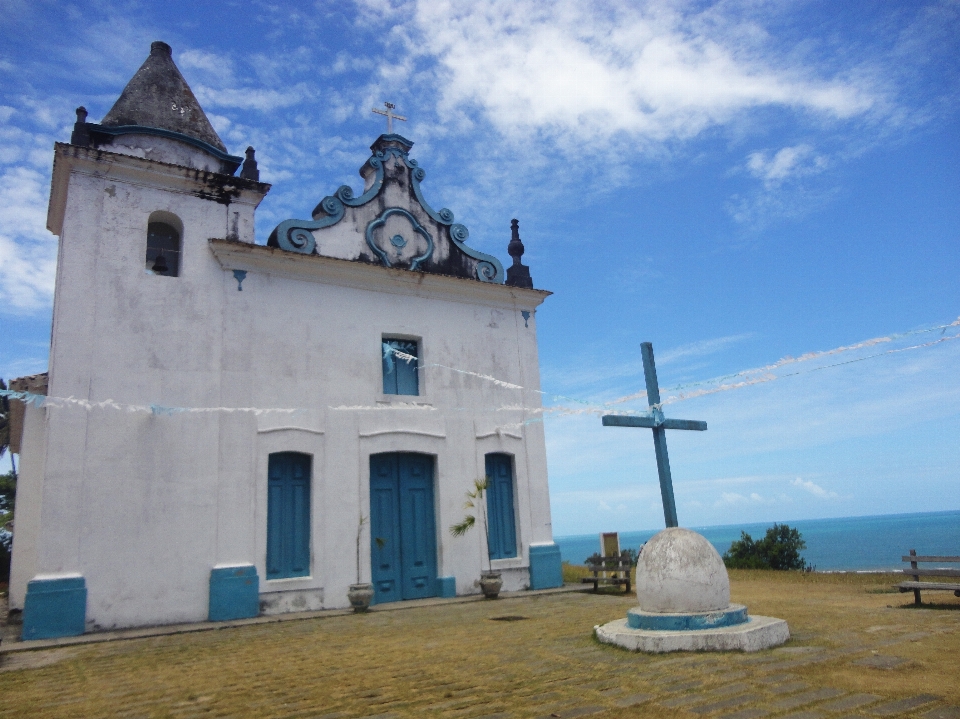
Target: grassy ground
pixel 525 657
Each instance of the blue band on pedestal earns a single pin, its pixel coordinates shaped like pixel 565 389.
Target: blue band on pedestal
pixel 731 616
pixel 234 593
pixel 446 586
pixel 545 571
pixel 55 608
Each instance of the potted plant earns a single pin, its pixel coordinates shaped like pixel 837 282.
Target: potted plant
pixel 490 581
pixel 361 593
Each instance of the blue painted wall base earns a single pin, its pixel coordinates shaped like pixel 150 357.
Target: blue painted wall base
pixel 545 572
pixel 54 608
pixel 234 593
pixel 446 587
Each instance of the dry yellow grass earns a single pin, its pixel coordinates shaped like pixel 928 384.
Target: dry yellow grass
pixel 465 660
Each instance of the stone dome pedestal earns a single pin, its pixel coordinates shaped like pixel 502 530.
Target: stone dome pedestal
pixel 684 603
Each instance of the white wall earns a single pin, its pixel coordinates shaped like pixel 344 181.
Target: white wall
pixel 144 505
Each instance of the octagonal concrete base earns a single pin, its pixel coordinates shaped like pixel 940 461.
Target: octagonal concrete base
pixel 753 635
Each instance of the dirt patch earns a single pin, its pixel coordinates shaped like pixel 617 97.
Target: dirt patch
pixel 34 660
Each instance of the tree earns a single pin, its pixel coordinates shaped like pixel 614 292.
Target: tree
pixel 5 426
pixel 8 487
pixel 8 491
pixel 779 549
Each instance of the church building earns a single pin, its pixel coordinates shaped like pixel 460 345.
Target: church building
pixel 234 427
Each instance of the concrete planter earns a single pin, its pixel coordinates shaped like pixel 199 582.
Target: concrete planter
pixel 490 583
pixel 360 596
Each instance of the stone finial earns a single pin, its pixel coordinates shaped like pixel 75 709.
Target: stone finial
pixel 81 133
pixel 518 274
pixel 159 47
pixel 249 170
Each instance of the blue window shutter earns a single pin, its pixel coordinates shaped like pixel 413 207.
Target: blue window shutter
pixel 400 376
pixel 274 524
pixel 288 515
pixel 500 512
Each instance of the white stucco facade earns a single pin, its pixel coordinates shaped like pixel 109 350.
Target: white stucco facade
pixel 142 504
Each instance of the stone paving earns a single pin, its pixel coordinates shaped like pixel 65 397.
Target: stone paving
pixel 519 657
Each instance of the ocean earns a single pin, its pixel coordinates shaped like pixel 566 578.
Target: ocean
pixel 841 544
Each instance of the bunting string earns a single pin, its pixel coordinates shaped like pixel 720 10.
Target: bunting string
pixel 685 391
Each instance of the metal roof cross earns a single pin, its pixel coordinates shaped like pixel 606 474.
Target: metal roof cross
pixel 390 116
pixel 658 423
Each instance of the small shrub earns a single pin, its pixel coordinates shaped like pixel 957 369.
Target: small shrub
pixel 779 549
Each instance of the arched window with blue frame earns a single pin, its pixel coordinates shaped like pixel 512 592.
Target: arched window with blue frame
pixel 500 507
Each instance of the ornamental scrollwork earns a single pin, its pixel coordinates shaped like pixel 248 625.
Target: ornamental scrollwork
pixel 297 235
pixel 417 227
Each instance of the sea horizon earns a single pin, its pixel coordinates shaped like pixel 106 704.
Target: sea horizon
pixel 866 543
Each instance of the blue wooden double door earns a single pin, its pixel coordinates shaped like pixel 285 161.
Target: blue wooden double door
pixel 403 541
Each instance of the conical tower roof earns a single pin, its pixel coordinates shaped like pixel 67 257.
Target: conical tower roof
pixel 158 96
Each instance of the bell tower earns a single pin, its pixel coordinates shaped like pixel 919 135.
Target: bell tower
pixel 134 200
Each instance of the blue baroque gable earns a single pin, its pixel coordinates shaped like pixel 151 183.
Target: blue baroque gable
pixel 389 224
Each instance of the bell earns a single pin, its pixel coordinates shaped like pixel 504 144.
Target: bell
pixel 160 264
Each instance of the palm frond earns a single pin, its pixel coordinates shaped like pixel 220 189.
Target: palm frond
pixel 458 530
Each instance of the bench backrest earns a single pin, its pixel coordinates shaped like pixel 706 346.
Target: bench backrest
pixel 917 572
pixel 618 563
pixel 610 544
pixel 924 558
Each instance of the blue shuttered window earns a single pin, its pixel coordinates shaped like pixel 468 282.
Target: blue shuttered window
pixel 400 375
pixel 288 515
pixel 500 514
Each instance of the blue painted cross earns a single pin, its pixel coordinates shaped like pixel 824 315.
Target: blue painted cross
pixel 659 424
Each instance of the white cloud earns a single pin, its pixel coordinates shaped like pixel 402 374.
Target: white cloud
pixel 786 163
pixel 28 252
pixel 702 348
pixel 735 499
pixel 591 73
pixel 252 98
pixel 815 489
pixel 212 64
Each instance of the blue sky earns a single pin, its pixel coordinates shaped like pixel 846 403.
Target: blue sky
pixel 736 182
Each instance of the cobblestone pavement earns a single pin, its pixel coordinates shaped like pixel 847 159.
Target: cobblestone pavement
pixel 525 657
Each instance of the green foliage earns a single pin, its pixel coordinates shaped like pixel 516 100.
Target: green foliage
pixel 633 554
pixel 8 493
pixel 458 530
pixel 779 549
pixel 475 502
pixel 4 421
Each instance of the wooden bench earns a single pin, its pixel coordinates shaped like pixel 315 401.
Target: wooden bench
pixel 613 570
pixel 916 585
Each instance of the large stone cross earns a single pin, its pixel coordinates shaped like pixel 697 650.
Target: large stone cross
pixel 390 116
pixel 659 424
